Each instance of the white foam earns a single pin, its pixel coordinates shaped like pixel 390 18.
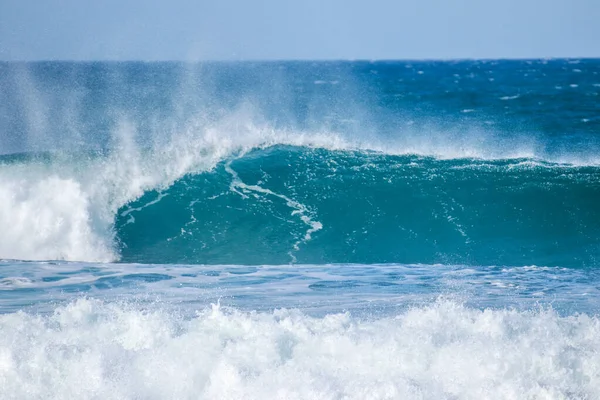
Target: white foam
pixel 516 96
pixel 48 217
pixel 92 350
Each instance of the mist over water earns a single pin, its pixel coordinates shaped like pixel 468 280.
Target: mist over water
pixel 390 229
pixel 94 138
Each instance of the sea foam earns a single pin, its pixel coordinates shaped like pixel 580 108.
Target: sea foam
pixel 94 350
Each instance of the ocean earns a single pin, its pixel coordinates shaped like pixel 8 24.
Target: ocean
pixel 300 230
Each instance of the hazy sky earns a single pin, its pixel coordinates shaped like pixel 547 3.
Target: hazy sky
pixel 301 29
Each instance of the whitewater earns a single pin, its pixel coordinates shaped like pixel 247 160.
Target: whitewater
pixel 332 230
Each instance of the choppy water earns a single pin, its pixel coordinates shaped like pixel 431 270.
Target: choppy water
pixel 300 230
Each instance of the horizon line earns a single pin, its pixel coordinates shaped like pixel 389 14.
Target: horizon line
pixel 274 60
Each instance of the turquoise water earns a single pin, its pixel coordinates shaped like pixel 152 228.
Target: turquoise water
pixel 365 207
pixel 300 230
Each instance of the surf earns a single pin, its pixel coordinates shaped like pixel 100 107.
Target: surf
pixel 89 349
pixel 206 210
pixel 195 169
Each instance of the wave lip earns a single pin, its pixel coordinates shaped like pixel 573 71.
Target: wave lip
pixel 91 349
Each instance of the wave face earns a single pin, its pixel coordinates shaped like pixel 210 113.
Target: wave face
pixel 477 163
pixel 294 204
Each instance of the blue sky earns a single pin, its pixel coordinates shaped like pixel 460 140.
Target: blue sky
pixel 302 29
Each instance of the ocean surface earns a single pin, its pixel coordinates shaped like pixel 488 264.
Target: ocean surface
pixel 300 230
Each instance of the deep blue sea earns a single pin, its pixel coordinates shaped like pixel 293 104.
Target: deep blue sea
pixel 300 230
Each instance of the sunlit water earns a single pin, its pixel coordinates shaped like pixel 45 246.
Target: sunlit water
pixel 347 230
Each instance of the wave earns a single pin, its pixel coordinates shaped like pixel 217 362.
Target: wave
pixel 92 349
pixel 234 191
pixel 290 204
pixel 213 163
pixel 62 205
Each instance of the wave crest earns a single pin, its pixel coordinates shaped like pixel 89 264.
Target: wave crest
pixel 64 207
